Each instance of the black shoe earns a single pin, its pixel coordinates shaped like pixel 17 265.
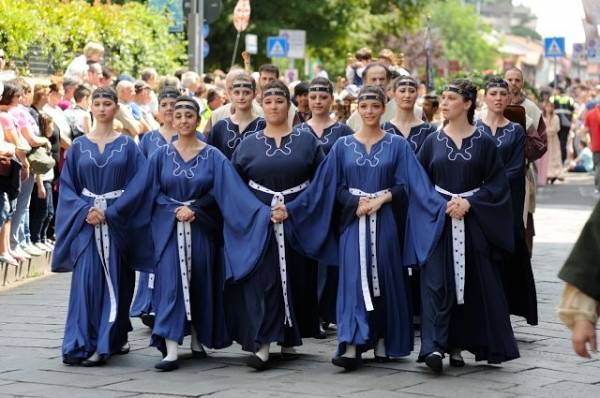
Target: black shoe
pixel 457 363
pixel 72 361
pixel 290 356
pixel 346 363
pixel 124 349
pixel 199 354
pixel 90 364
pixel 379 359
pixel 167 366
pixel 434 362
pixel 147 320
pixel 320 335
pixel 255 362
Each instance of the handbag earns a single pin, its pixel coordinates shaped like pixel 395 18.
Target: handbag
pixel 40 161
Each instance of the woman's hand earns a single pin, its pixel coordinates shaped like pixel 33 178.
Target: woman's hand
pixel 584 333
pixel 185 214
pixel 278 214
pixel 363 207
pixel 95 216
pixel 41 191
pixel 457 208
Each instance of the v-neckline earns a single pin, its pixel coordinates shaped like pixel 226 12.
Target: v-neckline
pixel 281 141
pixel 376 143
pixel 106 144
pixel 312 130
pixel 190 159
pixel 462 140
pixel 237 126
pixel 409 130
pixel 494 133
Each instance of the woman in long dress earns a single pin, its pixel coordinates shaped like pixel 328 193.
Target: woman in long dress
pixel 97 169
pixel 464 307
pixel 555 164
pixel 517 274
pixel 377 180
pixel 277 301
pixel 188 285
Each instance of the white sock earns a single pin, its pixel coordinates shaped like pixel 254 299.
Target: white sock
pixel 125 346
pixel 350 351
pixel 196 346
pixel 95 357
pixel 263 352
pixel 288 350
pixel 171 350
pixel 380 348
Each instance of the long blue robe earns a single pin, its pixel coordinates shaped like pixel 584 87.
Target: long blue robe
pixel 416 135
pixel 482 324
pixel 391 164
pixel 154 196
pixel 328 275
pixel 254 302
pixel 87 328
pixel 517 274
pixel 226 136
pixel 142 302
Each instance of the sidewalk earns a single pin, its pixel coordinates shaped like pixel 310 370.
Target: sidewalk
pixel 32 317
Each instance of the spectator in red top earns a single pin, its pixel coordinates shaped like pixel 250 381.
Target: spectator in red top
pixel 592 125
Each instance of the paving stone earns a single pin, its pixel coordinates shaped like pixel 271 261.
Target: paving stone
pixel 53 391
pixel 62 378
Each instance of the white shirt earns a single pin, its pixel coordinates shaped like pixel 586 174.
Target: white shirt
pixel 78 68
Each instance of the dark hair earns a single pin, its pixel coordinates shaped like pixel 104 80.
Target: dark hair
pixel 81 92
pixel 147 74
pixel 433 99
pixel 469 93
pixel 106 73
pixel 322 81
pixel 388 74
pixel 105 92
pixel 168 92
pixel 44 121
pixel 179 72
pixel 399 80
pixel 246 78
pixel 191 100
pixel 372 90
pixel 209 78
pixel 211 95
pixel 496 81
pixel 12 89
pixel 278 84
pixel 301 89
pixel 269 68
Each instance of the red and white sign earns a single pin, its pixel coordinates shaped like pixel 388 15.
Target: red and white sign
pixel 241 15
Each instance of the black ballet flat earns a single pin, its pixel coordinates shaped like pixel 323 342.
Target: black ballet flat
pixel 147 320
pixel 72 361
pixel 321 335
pixel 346 363
pixel 290 356
pixel 256 363
pixel 167 366
pixel 91 364
pixel 199 354
pixel 379 359
pixel 457 363
pixel 434 362
pixel 124 350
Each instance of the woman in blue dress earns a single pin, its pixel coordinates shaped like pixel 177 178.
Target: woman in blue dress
pixel 327 131
pixel 370 174
pixel 517 274
pixel 464 307
pixel 227 134
pixel 187 290
pixel 150 142
pixel 277 301
pixel 98 167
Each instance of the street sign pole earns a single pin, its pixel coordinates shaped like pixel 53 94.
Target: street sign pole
pixel 200 27
pixel 235 48
pixel 555 73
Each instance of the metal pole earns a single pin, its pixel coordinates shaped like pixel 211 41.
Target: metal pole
pixel 192 36
pixel 201 28
pixel 555 72
pixel 429 56
pixel 235 48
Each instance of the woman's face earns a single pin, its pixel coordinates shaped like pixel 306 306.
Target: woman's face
pixel 406 96
pixel 453 105
pixel 497 99
pixel 185 121
pixel 104 109
pixel 319 102
pixel 242 98
pixel 166 107
pixel 275 108
pixel 370 112
pixel 26 97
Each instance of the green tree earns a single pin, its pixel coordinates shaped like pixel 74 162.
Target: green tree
pixel 462 33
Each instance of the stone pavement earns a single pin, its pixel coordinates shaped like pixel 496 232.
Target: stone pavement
pixel 32 316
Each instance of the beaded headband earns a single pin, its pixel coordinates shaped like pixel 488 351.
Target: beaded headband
pixel 320 88
pixel 275 91
pixel 502 84
pixel 406 82
pixel 168 94
pixel 242 84
pixel 105 94
pixel 186 105
pixel 458 91
pixel 371 96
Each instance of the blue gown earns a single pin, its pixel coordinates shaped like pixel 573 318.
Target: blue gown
pixel 481 325
pixel 255 303
pixel 142 302
pixel 416 135
pixel 391 164
pixel 328 275
pixel 517 274
pixel 87 328
pixel 226 136
pixel 167 182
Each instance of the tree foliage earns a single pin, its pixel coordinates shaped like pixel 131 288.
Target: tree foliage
pixel 133 35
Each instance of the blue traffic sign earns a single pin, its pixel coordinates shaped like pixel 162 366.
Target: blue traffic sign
pixel 206 49
pixel 277 47
pixel 554 47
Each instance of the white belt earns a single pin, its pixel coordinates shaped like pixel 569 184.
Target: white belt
pixel 458 245
pixel 103 245
pixel 184 250
pixel 279 199
pixel 362 242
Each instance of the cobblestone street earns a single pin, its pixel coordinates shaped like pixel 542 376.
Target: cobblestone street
pixel 32 317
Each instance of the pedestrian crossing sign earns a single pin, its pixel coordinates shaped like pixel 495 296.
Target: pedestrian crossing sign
pixel 277 47
pixel 554 47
